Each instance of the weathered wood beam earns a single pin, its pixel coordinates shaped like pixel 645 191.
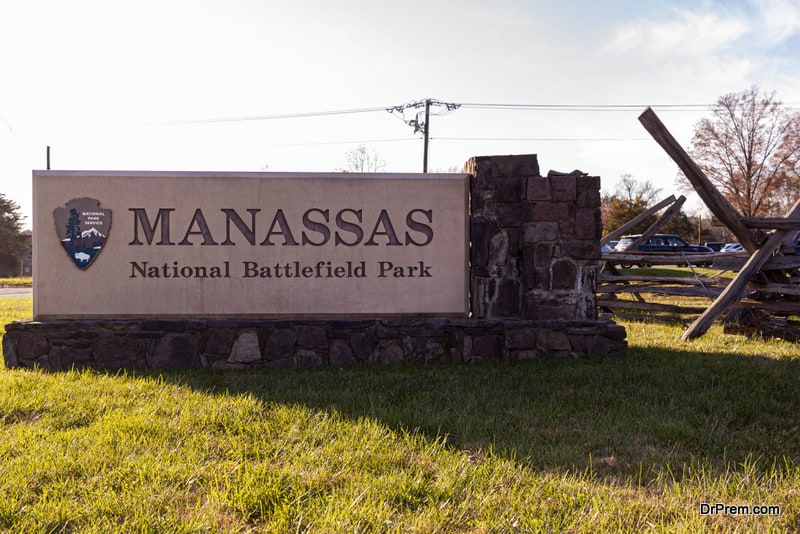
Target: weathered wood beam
pixel 658 280
pixel 782 263
pixel 774 306
pixel 675 291
pixel 713 199
pixel 636 220
pixel 790 242
pixel 734 262
pixel 733 293
pixel 784 289
pixel 651 306
pixel 654 258
pixel 648 318
pixel 770 223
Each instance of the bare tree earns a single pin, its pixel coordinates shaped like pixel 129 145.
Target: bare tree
pixel 749 149
pixel 630 198
pixel 789 189
pixel 362 160
pixel 630 189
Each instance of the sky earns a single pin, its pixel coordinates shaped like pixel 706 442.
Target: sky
pixel 254 85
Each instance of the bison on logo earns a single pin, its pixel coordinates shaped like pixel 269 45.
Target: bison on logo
pixel 82 226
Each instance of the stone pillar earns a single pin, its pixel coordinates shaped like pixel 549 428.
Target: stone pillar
pixel 535 240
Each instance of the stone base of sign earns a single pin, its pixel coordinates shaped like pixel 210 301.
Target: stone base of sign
pixel 246 344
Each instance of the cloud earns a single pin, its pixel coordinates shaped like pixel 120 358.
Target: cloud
pixel 688 35
pixel 779 19
pixel 680 56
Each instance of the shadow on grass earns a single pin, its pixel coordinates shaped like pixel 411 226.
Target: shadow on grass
pixel 651 410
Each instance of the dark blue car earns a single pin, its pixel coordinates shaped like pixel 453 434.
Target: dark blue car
pixel 661 243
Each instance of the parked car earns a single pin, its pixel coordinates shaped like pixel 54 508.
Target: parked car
pixel 609 247
pixel 732 247
pixel 661 243
pixel 716 246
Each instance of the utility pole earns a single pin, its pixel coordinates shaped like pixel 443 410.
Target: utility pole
pixel 423 126
pixel 427 130
pixel 699 225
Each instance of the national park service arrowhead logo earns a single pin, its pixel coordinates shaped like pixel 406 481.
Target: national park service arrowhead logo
pixel 82 226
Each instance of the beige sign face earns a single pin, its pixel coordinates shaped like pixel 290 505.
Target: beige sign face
pixel 148 244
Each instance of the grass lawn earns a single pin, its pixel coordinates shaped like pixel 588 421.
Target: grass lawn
pixel 636 443
pixel 16 282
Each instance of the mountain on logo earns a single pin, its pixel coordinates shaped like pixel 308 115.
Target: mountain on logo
pixel 89 239
pixel 92 232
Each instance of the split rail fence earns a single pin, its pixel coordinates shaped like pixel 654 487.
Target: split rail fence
pixel 757 292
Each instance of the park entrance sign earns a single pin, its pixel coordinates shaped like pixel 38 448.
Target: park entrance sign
pixel 146 270
pixel 190 244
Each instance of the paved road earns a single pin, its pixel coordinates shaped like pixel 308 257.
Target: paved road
pixel 15 292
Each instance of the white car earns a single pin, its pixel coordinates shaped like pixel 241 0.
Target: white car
pixel 732 247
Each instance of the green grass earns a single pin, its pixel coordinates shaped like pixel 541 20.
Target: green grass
pixel 16 282
pixel 578 445
pixel 676 272
pixel 13 310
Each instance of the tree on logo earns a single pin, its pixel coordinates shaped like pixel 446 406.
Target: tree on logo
pixel 73 229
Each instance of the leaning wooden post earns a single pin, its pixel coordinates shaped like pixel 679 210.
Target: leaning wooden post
pixel 715 201
pixel 636 220
pixel 733 292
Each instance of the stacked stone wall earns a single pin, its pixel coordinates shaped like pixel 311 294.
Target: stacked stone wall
pixel 245 344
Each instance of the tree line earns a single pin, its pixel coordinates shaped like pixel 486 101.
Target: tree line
pixel 15 244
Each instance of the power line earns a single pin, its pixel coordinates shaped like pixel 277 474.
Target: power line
pixel 422 110
pixel 419 126
pixel 588 107
pixel 322 143
pixel 282 116
pixel 603 107
pixel 626 139
pixel 449 108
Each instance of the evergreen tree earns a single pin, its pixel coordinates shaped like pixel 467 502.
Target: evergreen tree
pixel 12 239
pixel 73 229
